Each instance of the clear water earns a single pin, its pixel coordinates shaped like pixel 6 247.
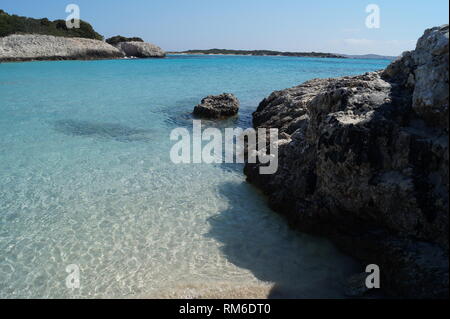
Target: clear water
pixel 85 179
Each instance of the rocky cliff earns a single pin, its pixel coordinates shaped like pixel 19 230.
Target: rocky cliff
pixel 363 160
pixel 26 47
pixel 45 47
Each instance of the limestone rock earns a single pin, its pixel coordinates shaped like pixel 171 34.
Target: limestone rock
pixel 26 47
pixel 364 161
pixel 141 49
pixel 430 98
pixel 217 106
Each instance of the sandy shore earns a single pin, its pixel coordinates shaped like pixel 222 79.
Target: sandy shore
pixel 220 290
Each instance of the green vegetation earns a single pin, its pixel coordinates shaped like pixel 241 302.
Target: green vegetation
pixel 14 24
pixel 118 38
pixel 263 52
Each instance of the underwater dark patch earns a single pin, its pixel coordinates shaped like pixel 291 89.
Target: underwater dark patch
pixel 113 131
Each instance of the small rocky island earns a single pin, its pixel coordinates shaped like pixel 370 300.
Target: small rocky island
pixel 217 106
pixel 363 160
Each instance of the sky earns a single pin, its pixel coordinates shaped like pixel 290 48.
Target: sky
pixel 285 25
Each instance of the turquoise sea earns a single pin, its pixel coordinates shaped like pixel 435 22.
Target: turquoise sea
pixel 85 179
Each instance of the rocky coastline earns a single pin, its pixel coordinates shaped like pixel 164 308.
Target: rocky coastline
pixel 32 47
pixel 363 160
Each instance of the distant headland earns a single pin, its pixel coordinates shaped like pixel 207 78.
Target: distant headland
pixel 260 53
pixel 281 53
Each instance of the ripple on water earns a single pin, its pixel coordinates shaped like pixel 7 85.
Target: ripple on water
pixel 87 180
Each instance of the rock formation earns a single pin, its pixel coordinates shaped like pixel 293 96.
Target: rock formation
pixel 28 47
pixel 363 160
pixel 140 49
pixel 217 106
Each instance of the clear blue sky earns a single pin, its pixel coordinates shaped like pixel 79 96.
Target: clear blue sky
pixel 288 25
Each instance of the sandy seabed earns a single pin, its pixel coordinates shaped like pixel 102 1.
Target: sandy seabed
pixel 219 290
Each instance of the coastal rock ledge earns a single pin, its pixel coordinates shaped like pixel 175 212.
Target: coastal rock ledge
pixel 26 47
pixel 363 160
pixel 141 49
pixel 217 106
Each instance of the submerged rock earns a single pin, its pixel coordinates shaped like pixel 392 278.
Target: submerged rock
pixel 26 47
pixel 141 49
pixel 364 161
pixel 217 106
pixel 112 131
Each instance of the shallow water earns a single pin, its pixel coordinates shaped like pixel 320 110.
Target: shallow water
pixel 85 179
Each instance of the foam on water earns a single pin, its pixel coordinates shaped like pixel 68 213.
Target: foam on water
pixel 85 179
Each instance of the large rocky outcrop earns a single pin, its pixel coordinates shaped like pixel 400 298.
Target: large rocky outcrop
pixel 364 161
pixel 27 47
pixel 141 49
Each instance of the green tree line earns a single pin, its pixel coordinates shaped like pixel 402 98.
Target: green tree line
pixel 14 24
pixel 118 38
pixel 263 52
